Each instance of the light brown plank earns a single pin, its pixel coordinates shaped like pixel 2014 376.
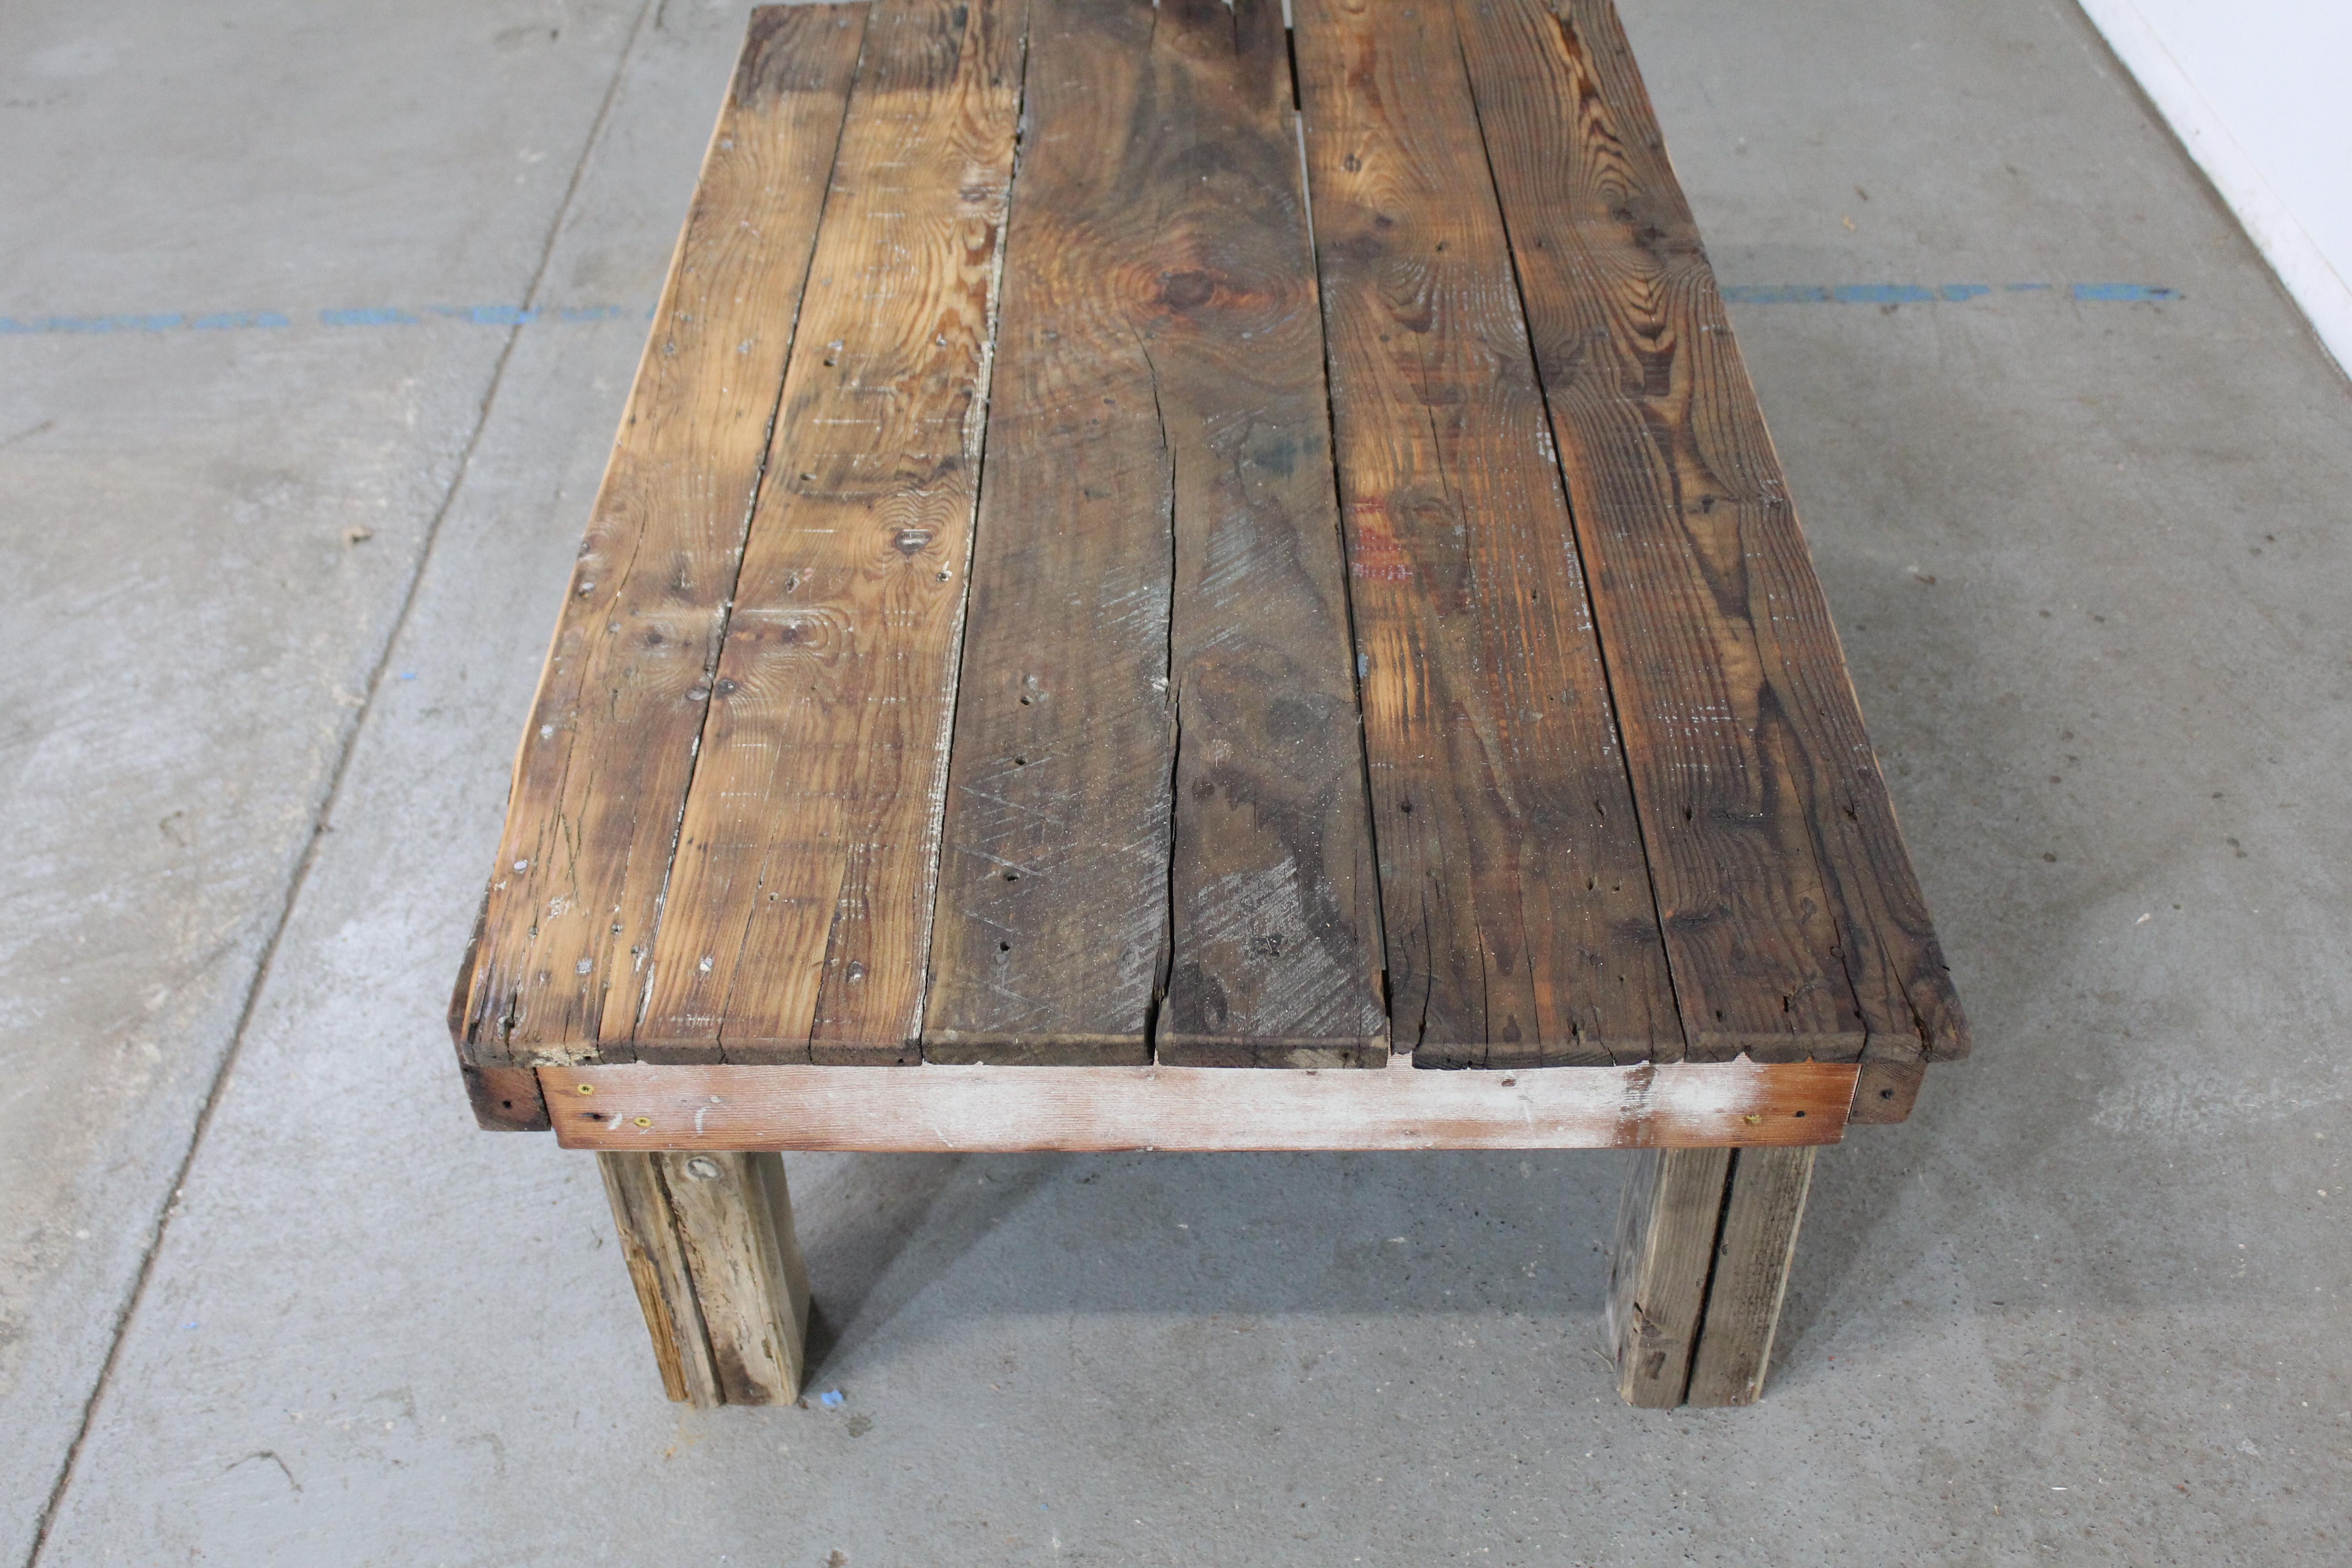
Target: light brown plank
pixel 601 773
pixel 504 1099
pixel 1794 925
pixel 1080 1109
pixel 1159 782
pixel 708 1240
pixel 1761 1213
pixel 1667 1224
pixel 1521 929
pixel 655 1256
pixel 797 923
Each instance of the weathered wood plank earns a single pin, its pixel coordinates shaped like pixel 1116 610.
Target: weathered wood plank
pixel 602 773
pixel 1076 1109
pixel 797 922
pixel 1667 1224
pixel 658 1269
pixel 1762 1210
pixel 1886 1092
pixel 1794 925
pixel 1521 929
pixel 710 1244
pixel 504 1099
pixel 1051 925
pixel 1158 783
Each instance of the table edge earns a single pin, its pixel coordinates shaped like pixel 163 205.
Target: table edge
pixel 939 1109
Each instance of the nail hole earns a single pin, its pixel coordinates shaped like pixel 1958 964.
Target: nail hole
pixel 1013 876
pixel 1800 1116
pixel 1004 947
pixel 1887 1094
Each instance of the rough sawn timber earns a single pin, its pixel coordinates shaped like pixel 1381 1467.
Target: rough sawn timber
pixel 1521 929
pixel 1705 1241
pixel 1667 1221
pixel 709 1241
pixel 1794 926
pixel 602 773
pixel 1157 821
pixel 798 919
pixel 1753 1255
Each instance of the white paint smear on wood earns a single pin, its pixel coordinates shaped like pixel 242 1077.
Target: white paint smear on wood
pixel 940 1108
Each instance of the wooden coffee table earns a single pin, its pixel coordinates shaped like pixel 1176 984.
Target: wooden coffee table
pixel 1162 578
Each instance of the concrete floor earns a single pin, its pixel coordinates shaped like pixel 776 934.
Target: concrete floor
pixel 281 582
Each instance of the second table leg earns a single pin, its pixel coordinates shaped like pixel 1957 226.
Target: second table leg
pixel 1704 1240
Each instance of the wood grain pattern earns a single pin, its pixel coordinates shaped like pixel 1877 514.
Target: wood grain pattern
pixel 710 1245
pixel 1521 929
pixel 1557 498
pixel 798 918
pixel 504 1099
pixel 1887 1092
pixel 1053 897
pixel 1794 926
pixel 1075 1108
pixel 734 1220
pixel 1761 1213
pixel 1158 823
pixel 602 773
pixel 1667 1224
pixel 655 1256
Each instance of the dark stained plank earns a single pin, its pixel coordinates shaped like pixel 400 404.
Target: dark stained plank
pixel 1886 1092
pixel 797 922
pixel 1521 929
pixel 1052 929
pixel 1794 925
pixel 602 775
pixel 1157 833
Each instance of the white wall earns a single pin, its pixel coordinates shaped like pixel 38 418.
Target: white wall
pixel 2261 92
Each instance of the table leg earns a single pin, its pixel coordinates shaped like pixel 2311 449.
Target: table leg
pixel 1705 1238
pixel 708 1242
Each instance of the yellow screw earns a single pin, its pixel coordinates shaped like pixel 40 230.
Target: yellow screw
pixel 644 1122
pixel 587 1089
pixel 1751 1119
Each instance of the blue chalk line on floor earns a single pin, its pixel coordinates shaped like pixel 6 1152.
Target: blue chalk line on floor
pixel 369 316
pixel 521 316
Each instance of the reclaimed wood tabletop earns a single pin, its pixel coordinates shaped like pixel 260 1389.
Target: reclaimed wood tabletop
pixel 1148 537
pixel 1159 560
